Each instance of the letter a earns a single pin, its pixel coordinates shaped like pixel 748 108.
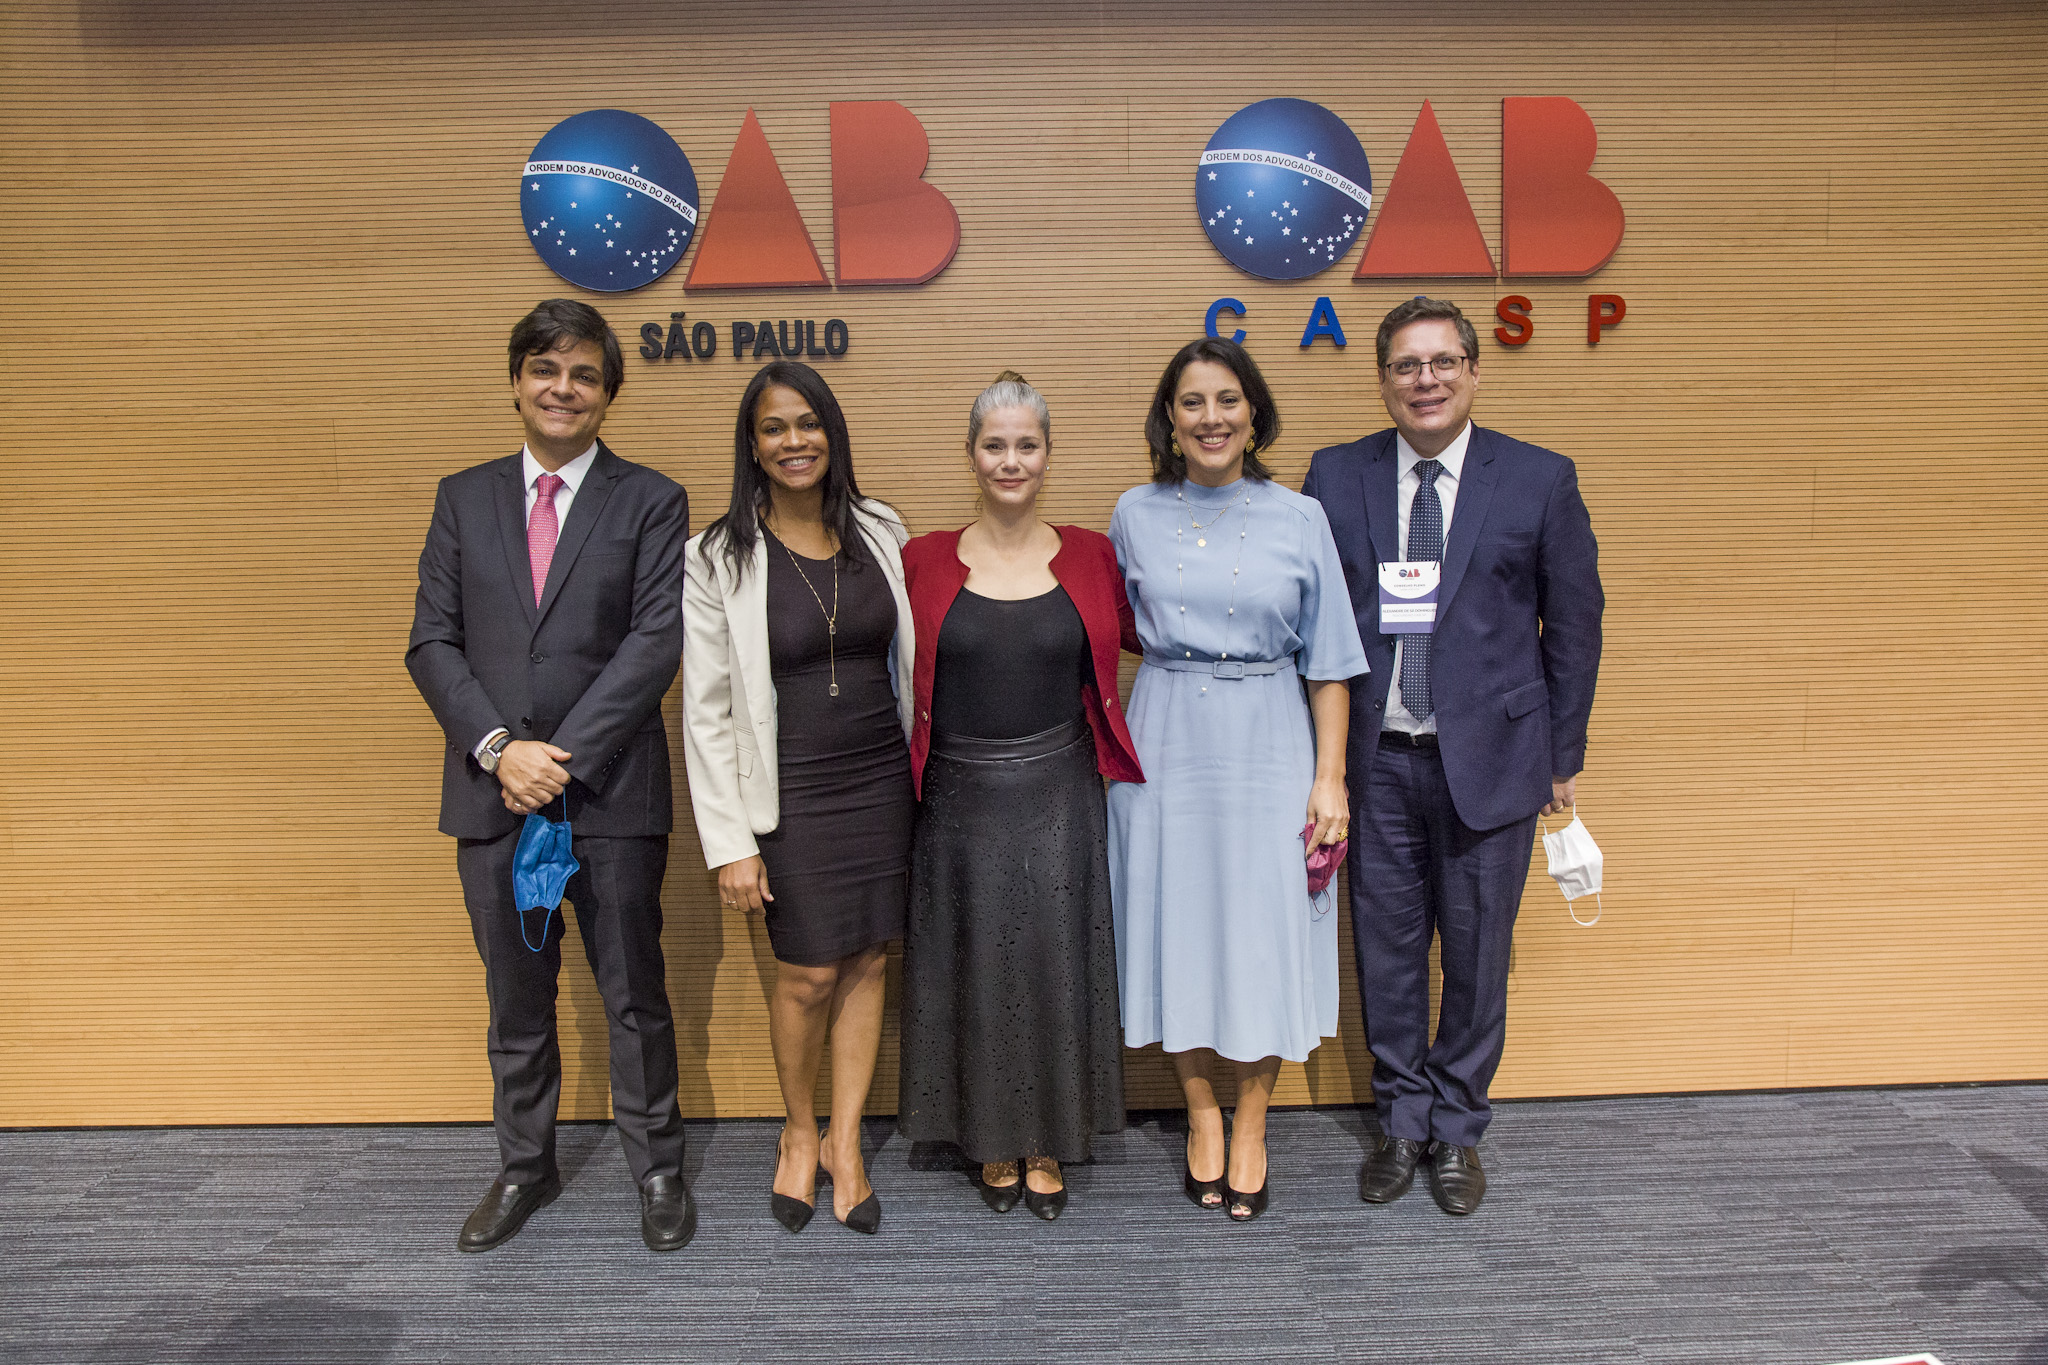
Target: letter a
pixel 754 238
pixel 888 225
pixel 1426 224
pixel 1555 218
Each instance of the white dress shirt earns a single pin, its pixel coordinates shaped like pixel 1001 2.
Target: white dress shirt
pixel 1406 482
pixel 571 475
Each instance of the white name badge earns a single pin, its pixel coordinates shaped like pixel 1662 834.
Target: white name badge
pixel 1408 597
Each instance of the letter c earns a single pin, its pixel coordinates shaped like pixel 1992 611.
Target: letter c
pixel 1226 306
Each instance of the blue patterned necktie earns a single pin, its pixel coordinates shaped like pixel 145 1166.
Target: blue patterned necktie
pixel 1425 542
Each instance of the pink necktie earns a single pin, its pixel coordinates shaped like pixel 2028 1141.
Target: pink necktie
pixel 543 528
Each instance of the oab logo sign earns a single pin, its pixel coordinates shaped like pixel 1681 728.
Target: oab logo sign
pixel 610 203
pixel 1284 188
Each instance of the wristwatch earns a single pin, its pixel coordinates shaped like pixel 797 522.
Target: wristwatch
pixel 494 748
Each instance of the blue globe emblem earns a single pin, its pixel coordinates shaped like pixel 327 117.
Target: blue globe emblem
pixel 609 200
pixel 1283 189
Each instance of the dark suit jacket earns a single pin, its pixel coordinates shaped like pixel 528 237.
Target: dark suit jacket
pixel 1518 616
pixel 585 670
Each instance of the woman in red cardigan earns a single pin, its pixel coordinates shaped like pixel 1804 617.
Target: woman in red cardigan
pixel 1012 1045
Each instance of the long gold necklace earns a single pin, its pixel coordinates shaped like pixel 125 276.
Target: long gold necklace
pixel 831 617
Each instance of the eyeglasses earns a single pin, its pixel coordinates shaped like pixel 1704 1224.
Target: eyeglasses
pixel 1443 366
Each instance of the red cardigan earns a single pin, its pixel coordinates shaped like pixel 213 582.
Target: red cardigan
pixel 1086 567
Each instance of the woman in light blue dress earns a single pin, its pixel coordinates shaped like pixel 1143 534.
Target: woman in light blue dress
pixel 1239 714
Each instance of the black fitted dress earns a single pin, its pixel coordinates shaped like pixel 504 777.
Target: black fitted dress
pixel 838 862
pixel 1012 1042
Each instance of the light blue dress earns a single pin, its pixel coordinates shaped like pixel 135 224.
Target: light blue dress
pixel 1217 944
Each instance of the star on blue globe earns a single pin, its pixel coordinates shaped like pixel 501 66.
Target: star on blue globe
pixel 609 200
pixel 1283 189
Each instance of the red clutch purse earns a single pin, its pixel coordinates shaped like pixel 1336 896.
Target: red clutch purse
pixel 1323 860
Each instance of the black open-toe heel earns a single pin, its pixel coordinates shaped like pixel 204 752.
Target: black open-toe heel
pixel 1253 1202
pixel 1203 1194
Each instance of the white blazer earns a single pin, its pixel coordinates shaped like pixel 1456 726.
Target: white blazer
pixel 729 720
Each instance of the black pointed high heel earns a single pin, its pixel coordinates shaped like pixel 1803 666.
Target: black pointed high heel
pixel 866 1216
pixel 791 1212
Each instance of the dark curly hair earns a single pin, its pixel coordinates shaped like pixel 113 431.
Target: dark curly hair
pixel 1168 464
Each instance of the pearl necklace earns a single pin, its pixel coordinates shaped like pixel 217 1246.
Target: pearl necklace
pixel 1202 542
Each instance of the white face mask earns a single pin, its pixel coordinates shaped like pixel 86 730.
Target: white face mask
pixel 1574 865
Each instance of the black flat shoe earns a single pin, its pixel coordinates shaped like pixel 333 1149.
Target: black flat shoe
pixel 504 1210
pixel 1001 1198
pixel 1203 1194
pixel 1046 1206
pixel 790 1211
pixel 1253 1202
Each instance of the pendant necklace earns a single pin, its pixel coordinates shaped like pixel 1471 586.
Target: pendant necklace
pixel 1230 607
pixel 831 617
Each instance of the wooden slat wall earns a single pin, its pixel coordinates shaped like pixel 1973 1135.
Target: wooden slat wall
pixel 259 257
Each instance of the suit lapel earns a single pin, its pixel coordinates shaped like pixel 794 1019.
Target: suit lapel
pixel 1379 475
pixel 511 500
pixel 746 616
pixel 583 514
pixel 1475 494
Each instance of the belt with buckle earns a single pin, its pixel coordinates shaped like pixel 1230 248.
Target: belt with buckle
pixel 1401 739
pixel 1222 668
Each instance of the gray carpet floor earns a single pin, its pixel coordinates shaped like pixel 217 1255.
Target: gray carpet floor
pixel 1803 1228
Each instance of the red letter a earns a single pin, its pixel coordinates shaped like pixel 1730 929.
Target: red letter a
pixel 1555 218
pixel 1426 224
pixel 888 225
pixel 754 236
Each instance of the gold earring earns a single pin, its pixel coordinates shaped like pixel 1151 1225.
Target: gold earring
pixel 1173 444
pixel 1251 447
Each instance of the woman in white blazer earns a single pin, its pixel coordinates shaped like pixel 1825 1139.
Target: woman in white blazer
pixel 796 629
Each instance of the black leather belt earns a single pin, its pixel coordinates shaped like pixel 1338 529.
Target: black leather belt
pixel 1401 739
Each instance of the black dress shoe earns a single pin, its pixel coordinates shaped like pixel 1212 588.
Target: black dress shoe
pixel 1390 1170
pixel 1455 1178
pixel 1001 1198
pixel 668 1215
pixel 504 1211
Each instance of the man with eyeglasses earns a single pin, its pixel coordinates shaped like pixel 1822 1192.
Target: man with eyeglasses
pixel 1475 579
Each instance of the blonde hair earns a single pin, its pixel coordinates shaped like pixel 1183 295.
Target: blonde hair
pixel 1008 391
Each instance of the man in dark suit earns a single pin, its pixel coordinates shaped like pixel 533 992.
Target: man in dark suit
pixel 547 628
pixel 1466 731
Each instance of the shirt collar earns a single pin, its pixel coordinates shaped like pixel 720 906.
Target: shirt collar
pixel 571 473
pixel 1452 459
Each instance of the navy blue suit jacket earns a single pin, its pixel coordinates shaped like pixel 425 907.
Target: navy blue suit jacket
pixel 586 669
pixel 1518 616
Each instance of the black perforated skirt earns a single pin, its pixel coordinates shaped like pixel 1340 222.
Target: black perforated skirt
pixel 1012 1042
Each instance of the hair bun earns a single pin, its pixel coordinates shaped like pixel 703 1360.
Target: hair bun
pixel 1012 377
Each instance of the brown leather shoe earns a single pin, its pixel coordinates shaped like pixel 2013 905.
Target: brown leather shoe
pixel 1456 1178
pixel 1390 1170
pixel 668 1214
pixel 503 1211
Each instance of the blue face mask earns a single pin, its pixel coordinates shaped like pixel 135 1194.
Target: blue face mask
pixel 541 868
